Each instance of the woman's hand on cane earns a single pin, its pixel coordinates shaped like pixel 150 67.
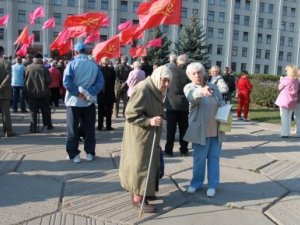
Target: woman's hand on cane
pixel 156 121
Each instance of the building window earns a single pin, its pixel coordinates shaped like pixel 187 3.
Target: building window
pixel 37 35
pixel 292 27
pixel 165 29
pixel 1 12
pixel 271 8
pixel 267 54
pixel 283 25
pixel 281 41
pixel 270 24
pixel 57 17
pixel 243 66
pixel 259 38
pixel 1 34
pixel 211 2
pixel 36 1
pixel 284 11
pixel 234 51
pixel 91 4
pixel 219 64
pixel 257 68
pixel 210 32
pixel 236 19
pixel 280 56
pixel 258 53
pixel 135 5
pixel 184 12
pixel 221 17
pixel 260 22
pixel 220 33
pixel 293 12
pixel 245 36
pixel 123 20
pixel 266 69
pixel 209 49
pixel 21 0
pixel 195 0
pixel 291 42
pixel 195 12
pixel 236 35
pixel 279 70
pixel 57 2
pixel 103 37
pixel 21 16
pixel 135 22
pixel 289 57
pixel 104 4
pixel 237 4
pixel 246 20
pixel 211 16
pixel 71 3
pixel 268 39
pixel 219 49
pixel 261 7
pixel 244 52
pixel 233 66
pixel 124 6
pixel 248 5
pixel 222 3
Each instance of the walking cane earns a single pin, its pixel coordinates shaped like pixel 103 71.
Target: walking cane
pixel 148 172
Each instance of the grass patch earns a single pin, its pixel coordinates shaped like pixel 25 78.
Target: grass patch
pixel 262 114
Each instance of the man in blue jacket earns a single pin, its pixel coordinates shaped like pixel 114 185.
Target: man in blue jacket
pixel 83 80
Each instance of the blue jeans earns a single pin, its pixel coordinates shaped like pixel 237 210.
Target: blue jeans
pixel 210 152
pixel 18 94
pixel 86 116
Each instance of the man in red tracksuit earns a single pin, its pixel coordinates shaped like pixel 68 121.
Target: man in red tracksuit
pixel 244 87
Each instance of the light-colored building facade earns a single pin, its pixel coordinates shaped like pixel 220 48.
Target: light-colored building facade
pixel 261 36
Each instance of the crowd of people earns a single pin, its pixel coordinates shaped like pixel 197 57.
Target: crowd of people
pixel 182 93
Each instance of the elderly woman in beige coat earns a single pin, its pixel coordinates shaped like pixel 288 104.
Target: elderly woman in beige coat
pixel 143 117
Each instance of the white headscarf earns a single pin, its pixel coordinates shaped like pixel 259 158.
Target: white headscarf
pixel 160 73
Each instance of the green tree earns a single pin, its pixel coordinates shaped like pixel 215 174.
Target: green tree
pixel 192 42
pixel 159 56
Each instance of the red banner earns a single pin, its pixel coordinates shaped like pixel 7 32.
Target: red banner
pixel 23 38
pixel 138 51
pixel 109 48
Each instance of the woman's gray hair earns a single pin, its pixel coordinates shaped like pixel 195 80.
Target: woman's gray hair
pixel 137 65
pixel 195 67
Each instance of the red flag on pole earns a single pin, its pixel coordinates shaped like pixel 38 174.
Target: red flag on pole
pixel 66 47
pixel 50 23
pixel 77 31
pixel 23 38
pixel 31 39
pixel 92 38
pixel 4 19
pixel 23 50
pixel 109 48
pixel 157 12
pixel 127 35
pixel 125 25
pixel 105 22
pixel 154 43
pixel 92 21
pixel 38 12
pixel 62 38
pixel 138 51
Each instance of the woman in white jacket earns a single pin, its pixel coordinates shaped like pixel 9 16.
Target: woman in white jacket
pixel 217 79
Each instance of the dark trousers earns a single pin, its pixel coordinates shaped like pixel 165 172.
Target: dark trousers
pixel 55 96
pixel 104 110
pixel 36 105
pixel 120 94
pixel 6 119
pixel 174 118
pixel 18 95
pixel 86 116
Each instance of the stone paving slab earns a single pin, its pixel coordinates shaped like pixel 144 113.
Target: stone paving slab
pixel 238 188
pixel 288 149
pixel 245 158
pixel 9 161
pixel 286 211
pixel 203 214
pixel 287 173
pixel 24 197
pixel 55 164
pixel 101 196
pixel 60 218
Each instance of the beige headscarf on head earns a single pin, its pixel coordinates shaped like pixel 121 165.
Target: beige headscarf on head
pixel 160 73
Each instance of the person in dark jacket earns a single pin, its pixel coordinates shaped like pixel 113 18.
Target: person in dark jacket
pixel 106 98
pixel 177 107
pixel 146 67
pixel 230 81
pixel 122 72
pixel 37 92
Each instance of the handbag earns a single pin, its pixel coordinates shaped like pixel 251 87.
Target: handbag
pixel 223 113
pixel 225 126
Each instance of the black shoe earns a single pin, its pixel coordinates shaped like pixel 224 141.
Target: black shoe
pixel 284 136
pixel 109 128
pixel 50 127
pixel 184 154
pixel 33 131
pixel 99 128
pixel 170 154
pixel 24 111
pixel 15 111
pixel 147 208
pixel 151 198
pixel 11 134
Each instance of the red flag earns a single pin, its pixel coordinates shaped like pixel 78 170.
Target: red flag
pixel 23 38
pixel 154 43
pixel 31 39
pixel 157 12
pixel 105 22
pixel 23 50
pixel 92 21
pixel 125 25
pixel 127 35
pixel 50 23
pixel 38 12
pixel 92 38
pixel 66 47
pixel 62 38
pixel 4 20
pixel 138 51
pixel 77 31
pixel 109 48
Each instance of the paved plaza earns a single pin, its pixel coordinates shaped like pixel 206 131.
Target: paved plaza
pixel 260 180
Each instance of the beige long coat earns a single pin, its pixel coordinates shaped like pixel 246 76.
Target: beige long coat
pixel 145 103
